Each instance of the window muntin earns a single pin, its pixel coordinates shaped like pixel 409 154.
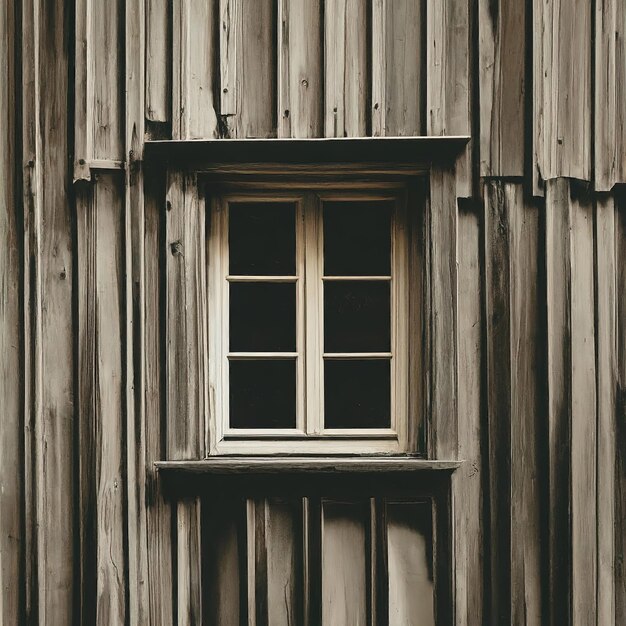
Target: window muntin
pixel 334 321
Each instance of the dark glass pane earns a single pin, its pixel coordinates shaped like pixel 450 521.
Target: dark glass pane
pixel 263 393
pixel 262 238
pixel 357 238
pixel 357 316
pixel 262 317
pixel 357 394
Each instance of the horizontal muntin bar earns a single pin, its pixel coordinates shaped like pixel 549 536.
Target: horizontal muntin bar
pixel 261 279
pixel 263 355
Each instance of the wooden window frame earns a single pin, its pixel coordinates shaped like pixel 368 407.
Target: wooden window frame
pixel 309 436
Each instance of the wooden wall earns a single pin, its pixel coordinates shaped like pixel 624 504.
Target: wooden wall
pixel 540 85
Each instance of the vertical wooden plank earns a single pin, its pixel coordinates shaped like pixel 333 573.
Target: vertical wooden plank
pixel 607 333
pixel 186 368
pixel 11 434
pixel 283 543
pixel 442 237
pixel 48 306
pixel 571 404
pixel 610 105
pixel 133 235
pixel 345 68
pixel 398 59
pixel 562 89
pixel 448 100
pixel 158 509
pixel 105 78
pixel 469 601
pixel 300 68
pixel 194 49
pixel 511 262
pixel 222 561
pixel 83 111
pixel 502 52
pixel 410 563
pixel 344 563
pixel 158 61
pixel 620 414
pixel 248 68
pixel 101 398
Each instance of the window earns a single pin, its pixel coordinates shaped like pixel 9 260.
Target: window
pixel 311 317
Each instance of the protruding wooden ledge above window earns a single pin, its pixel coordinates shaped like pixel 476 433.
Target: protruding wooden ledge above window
pixel 300 465
pixel 202 155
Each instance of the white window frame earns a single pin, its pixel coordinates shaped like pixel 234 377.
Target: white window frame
pixel 309 436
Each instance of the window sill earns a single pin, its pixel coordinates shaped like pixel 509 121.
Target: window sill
pixel 304 465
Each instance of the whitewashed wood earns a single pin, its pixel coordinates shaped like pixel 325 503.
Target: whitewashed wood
pixel 345 68
pixel 609 103
pixel 158 55
pixel 101 397
pixel 344 563
pixel 562 89
pixel 607 332
pixel 299 68
pixel 448 100
pixel 411 577
pixel 248 68
pixel 502 54
pixel 397 67
pixel 194 50
pixel 12 536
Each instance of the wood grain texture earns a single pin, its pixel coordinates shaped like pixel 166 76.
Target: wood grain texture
pixel 345 68
pixel 101 398
pixel 248 68
pixel 158 61
pixel 562 90
pixel 300 47
pixel 133 237
pixel 48 311
pixel 186 370
pixel 12 536
pixel 571 403
pixel 344 562
pixel 158 509
pixel 448 99
pixel 193 74
pixel 606 287
pixel 609 123
pixel 502 53
pixel 512 295
pixel 398 62
pixel 471 529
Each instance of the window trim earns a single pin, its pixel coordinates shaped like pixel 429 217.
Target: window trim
pixel 309 436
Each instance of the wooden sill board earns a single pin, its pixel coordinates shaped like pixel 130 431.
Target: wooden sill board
pixel 196 154
pixel 298 465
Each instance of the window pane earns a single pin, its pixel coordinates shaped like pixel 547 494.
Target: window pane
pixel 357 394
pixel 357 238
pixel 262 238
pixel 357 316
pixel 262 317
pixel 263 393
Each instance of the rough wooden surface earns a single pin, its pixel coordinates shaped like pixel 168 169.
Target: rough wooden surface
pixel 158 61
pixel 512 313
pixel 12 537
pixel 345 68
pixel 300 68
pixel 562 89
pixel 502 53
pixel 397 67
pixel 49 267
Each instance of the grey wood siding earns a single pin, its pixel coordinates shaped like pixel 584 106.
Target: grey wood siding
pixel 532 316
